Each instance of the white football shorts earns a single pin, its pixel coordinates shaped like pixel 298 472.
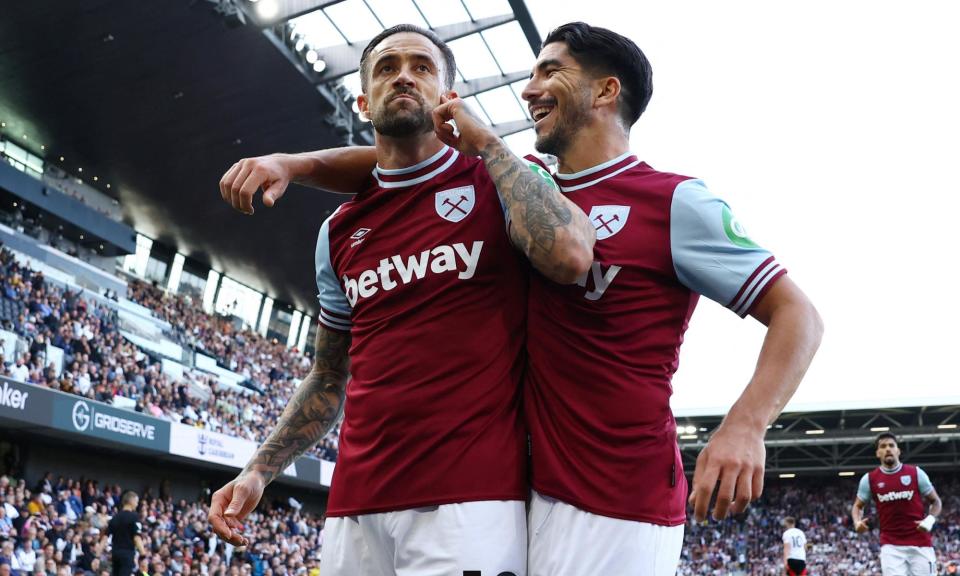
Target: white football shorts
pixel 568 541
pixel 486 538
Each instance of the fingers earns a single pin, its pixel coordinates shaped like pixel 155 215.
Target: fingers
pixel 441 114
pixel 226 183
pixel 273 193
pixel 703 484
pixel 447 135
pixel 758 482
pixel 227 524
pixel 234 523
pixel 739 485
pixel 249 187
pixel 726 492
pixel 236 511
pixel 237 539
pixel 239 185
pixel 744 493
pixel 238 501
pixel 449 107
pixel 245 169
pixel 216 518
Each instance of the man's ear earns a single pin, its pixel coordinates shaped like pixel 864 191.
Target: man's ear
pixel 607 91
pixel 362 105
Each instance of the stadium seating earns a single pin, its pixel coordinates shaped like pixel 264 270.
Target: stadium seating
pixel 58 526
pixel 286 540
pixel 101 363
pixel 751 543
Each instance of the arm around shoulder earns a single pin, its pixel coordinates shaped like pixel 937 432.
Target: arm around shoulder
pixel 343 170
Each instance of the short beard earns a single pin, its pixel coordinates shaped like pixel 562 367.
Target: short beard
pixel 401 125
pixel 558 140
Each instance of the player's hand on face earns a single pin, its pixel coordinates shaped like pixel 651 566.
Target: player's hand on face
pixel 474 134
pixel 231 504
pixel 734 458
pixel 861 527
pixel 241 182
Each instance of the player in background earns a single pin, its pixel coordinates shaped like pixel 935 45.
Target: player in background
pixel 609 489
pixel 899 491
pixel 421 278
pixel 794 548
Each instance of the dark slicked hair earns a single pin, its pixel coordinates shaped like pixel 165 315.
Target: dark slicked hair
pixel 605 53
pixel 450 63
pixel 881 436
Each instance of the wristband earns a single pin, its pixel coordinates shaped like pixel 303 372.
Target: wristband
pixel 927 523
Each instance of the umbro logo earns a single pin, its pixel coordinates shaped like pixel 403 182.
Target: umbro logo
pixel 359 236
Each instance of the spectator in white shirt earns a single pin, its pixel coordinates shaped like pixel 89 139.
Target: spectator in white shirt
pixel 25 556
pixel 20 371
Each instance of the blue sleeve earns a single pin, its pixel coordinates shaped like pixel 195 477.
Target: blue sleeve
pixel 863 491
pixel 334 308
pixel 923 480
pixel 712 253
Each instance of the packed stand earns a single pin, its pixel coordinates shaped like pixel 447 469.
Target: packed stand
pixel 59 527
pixel 99 363
pixel 264 362
pixel 751 543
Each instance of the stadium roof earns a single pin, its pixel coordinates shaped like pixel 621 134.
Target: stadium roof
pixel 494 42
pixel 841 441
pixel 160 99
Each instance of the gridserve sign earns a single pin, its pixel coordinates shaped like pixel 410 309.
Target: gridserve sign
pixel 98 420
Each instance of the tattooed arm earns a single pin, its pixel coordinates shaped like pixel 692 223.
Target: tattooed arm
pixel 553 232
pixel 309 415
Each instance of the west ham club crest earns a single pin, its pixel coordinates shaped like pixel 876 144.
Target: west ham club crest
pixel 608 220
pixel 454 205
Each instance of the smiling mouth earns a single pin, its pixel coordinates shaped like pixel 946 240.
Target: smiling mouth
pixel 540 111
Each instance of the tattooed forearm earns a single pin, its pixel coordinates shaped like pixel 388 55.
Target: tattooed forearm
pixel 554 234
pixel 311 412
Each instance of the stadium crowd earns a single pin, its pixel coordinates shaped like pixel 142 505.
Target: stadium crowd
pixel 751 543
pixel 100 364
pixel 59 527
